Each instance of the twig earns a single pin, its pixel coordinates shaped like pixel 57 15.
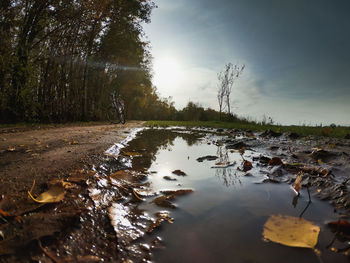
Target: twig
pixel 307 206
pixel 49 254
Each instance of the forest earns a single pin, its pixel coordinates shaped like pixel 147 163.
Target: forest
pixel 60 60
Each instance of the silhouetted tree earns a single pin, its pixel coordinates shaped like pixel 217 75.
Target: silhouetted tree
pixel 226 79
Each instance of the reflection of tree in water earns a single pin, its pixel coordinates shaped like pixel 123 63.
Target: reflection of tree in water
pixel 227 175
pixel 149 142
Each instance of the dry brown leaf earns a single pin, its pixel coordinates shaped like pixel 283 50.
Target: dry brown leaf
pixel 179 172
pixel 297 183
pixel 161 217
pixel 53 195
pixel 291 231
pixel 275 161
pixel 247 166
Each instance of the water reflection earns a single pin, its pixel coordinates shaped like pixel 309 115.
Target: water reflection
pixel 228 173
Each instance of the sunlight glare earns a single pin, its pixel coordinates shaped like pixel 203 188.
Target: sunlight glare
pixel 168 72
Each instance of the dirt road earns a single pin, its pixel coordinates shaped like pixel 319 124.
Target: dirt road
pixel 46 154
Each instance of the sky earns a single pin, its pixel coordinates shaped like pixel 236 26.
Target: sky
pixel 296 53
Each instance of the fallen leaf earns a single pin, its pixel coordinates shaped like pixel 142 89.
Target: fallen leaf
pixel 179 172
pixel 3 213
pixel 207 157
pixel 53 195
pixel 136 195
pixel 74 142
pixel 161 217
pixel 11 149
pixel 297 183
pixel 169 195
pixel 291 231
pixel 164 201
pixel 177 192
pixel 275 161
pixel 247 165
pixel 320 161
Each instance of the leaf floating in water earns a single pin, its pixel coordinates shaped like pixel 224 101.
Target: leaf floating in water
pixel 164 201
pixel 247 166
pixel 291 231
pixel 169 195
pixel 161 217
pixel 275 161
pixel 53 195
pixel 177 192
pixel 207 157
pixel 297 183
pixel 179 172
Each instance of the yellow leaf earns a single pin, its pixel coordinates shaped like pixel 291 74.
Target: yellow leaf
pixel 320 161
pixel 291 231
pixel 11 149
pixel 53 195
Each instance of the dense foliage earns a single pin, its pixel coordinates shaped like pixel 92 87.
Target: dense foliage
pixel 61 59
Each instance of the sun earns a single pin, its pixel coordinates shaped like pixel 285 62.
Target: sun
pixel 168 72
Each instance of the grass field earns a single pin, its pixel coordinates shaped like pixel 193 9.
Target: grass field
pixel 336 132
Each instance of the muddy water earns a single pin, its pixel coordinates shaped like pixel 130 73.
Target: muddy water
pixel 222 220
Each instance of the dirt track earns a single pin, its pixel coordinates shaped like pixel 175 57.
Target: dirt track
pixel 46 154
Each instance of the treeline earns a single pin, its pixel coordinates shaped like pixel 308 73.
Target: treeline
pixel 192 112
pixel 60 59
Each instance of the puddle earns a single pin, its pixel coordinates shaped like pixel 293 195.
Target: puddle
pixel 171 207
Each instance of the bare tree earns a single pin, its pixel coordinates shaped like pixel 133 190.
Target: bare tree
pixel 226 79
pixel 221 95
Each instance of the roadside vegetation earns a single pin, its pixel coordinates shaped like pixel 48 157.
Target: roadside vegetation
pixel 328 131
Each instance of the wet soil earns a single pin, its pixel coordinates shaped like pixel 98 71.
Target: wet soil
pixel 45 156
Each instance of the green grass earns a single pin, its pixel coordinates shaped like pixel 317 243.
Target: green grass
pixel 337 132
